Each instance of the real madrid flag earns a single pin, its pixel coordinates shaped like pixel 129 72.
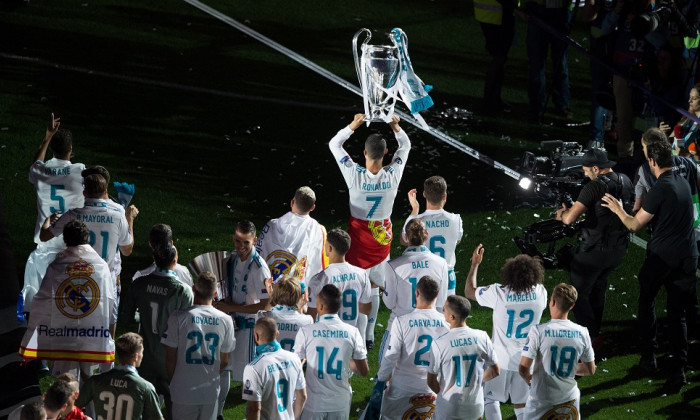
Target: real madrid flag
pixel 72 310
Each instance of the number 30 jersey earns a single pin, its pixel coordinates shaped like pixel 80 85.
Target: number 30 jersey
pixel 200 333
pixel 513 315
pixel 556 347
pixel 371 196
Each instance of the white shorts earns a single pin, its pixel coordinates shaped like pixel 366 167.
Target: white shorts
pixel 195 412
pixel 569 410
pixel 75 368
pixel 335 415
pixel 446 411
pixel 508 384
pixel 376 274
pixel 397 404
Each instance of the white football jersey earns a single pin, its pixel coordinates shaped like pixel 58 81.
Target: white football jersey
pixel 328 345
pixel 108 227
pixel 513 315
pixel 353 284
pixel 444 233
pixel 293 244
pixel 59 188
pixel 183 274
pixel 406 358
pixel 371 196
pixel 289 321
pixel 246 279
pixel 402 275
pixel 458 358
pixel 556 347
pixel 200 333
pixel 272 379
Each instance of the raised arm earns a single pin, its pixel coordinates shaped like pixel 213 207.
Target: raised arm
pixel 51 129
pixel 470 286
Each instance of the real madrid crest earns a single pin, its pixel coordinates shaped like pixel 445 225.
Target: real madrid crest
pixel 78 295
pixel 282 262
pixel 422 408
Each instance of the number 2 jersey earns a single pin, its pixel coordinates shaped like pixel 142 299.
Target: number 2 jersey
pixel 328 345
pixel 59 188
pixel 120 394
pixel 371 200
pixel 513 316
pixel 200 334
pixel 556 347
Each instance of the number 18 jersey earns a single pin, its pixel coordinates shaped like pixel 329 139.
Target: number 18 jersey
pixel 200 334
pixel 513 315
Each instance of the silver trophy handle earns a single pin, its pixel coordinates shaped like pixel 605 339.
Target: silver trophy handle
pixel 354 51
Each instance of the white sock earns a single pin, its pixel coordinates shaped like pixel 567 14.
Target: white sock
pixel 362 325
pixel 519 413
pixel 224 385
pixel 492 409
pixel 372 317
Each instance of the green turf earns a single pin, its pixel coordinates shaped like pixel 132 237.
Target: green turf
pixel 213 126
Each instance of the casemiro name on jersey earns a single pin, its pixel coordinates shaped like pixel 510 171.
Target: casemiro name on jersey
pixel 331 334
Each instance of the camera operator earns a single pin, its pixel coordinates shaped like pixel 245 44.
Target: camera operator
pixel 603 239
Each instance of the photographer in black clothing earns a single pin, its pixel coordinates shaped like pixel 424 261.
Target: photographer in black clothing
pixel 603 240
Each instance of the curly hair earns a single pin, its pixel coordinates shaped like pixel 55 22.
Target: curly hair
pixel 522 272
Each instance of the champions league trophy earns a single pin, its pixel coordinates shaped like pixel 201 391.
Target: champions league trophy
pixel 215 262
pixel 378 70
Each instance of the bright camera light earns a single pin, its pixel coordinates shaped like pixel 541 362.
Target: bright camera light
pixel 525 183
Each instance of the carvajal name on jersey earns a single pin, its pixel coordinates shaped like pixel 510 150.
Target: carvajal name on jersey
pixel 287 327
pixel 95 218
pixel 525 297
pixel 282 365
pixel 441 223
pixel 57 171
pixel 119 383
pixel 344 277
pixel 73 332
pixel 205 320
pixel 461 342
pixel 434 323
pixel 157 290
pixel 331 334
pixel 384 185
pixel 562 333
pixel 419 264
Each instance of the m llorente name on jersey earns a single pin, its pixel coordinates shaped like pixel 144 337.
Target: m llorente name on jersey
pixel 78 295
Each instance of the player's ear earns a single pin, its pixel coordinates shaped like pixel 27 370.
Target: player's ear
pixel 277 335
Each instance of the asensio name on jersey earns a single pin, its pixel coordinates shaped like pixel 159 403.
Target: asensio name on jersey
pixel 371 200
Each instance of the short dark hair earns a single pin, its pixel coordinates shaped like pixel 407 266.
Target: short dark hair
pixel 459 306
pixel 654 135
pixel 339 240
pixel 435 188
pixel 61 143
pixel 76 233
pixel 205 286
pixel 164 255
pixel 428 288
pixel 95 186
pixel 661 154
pixel 331 297
pixel 245 227
pixel 33 411
pixel 305 199
pixel 375 145
pixel 160 235
pixel 416 232
pixel 287 291
pixel 267 328
pixel 127 345
pixel 57 396
pixel 564 296
pixel 522 272
pixel 96 170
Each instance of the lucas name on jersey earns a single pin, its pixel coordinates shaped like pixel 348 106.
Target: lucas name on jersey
pixel 95 218
pixel 419 264
pixel 435 224
pixel 57 171
pixel 433 323
pixel 331 334
pixel 525 297
pixel 562 334
pixel 384 185
pixel 461 342
pixel 205 320
pixel 342 278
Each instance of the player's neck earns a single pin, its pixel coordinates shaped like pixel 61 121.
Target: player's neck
pixel 424 305
pixel 430 206
pixel 202 302
pixel 456 324
pixel 374 166
pixel 557 314
pixel 336 259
